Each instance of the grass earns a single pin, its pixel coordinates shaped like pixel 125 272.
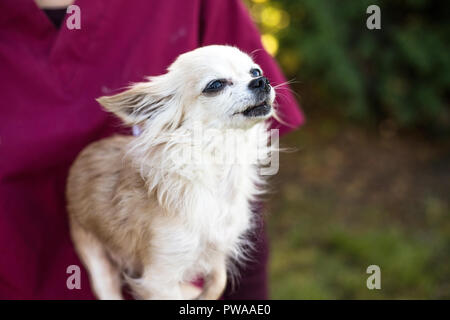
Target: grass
pixel 349 199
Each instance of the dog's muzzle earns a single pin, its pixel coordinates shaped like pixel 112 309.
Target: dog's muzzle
pixel 261 89
pixel 260 85
pixel 259 110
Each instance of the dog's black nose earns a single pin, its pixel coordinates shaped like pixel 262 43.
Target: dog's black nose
pixel 260 84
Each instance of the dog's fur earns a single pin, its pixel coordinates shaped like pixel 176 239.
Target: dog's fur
pixel 157 224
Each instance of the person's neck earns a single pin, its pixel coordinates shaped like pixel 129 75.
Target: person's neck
pixel 49 4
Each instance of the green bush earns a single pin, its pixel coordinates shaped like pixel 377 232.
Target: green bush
pixel 401 72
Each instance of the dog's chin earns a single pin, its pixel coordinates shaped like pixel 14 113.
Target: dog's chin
pixel 261 110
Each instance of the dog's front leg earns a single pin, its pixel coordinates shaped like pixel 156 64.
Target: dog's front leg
pixel 103 272
pixel 215 281
pixel 156 283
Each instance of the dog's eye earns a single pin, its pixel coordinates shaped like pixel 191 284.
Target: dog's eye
pixel 255 73
pixel 214 86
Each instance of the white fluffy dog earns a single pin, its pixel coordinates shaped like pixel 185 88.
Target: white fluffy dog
pixel 157 211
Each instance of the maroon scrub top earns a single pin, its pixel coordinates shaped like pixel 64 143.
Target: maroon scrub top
pixel 49 79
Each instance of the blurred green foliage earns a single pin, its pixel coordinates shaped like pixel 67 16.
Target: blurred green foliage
pixel 347 200
pixel 352 197
pixel 400 73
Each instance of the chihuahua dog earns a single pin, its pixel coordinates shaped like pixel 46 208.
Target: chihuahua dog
pixel 144 214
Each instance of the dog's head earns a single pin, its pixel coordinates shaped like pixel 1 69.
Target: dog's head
pixel 218 86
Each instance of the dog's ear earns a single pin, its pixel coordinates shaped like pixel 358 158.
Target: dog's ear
pixel 141 102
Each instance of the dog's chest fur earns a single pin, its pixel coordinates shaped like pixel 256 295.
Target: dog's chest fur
pixel 225 219
pixel 206 205
pixel 179 215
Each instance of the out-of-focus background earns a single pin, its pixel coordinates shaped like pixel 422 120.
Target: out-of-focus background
pixel 370 181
